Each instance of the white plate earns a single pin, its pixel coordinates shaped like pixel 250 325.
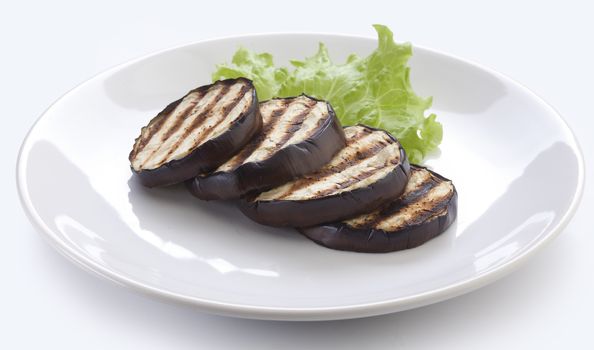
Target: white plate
pixel 517 167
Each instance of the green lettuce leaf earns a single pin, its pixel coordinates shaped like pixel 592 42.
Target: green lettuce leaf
pixel 374 90
pixel 259 67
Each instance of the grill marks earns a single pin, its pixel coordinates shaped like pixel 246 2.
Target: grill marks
pixel 276 138
pixel 312 124
pixel 180 118
pixel 344 185
pixel 295 124
pixel 360 145
pixel 165 137
pixel 184 126
pixel 205 112
pixel 426 196
pixel 152 135
pixel 368 157
pixel 417 184
pixel 338 164
pixel 299 136
pixel 270 119
pixel 233 111
pixel 283 120
pixel 430 204
pixel 369 172
pixel 154 126
pixel 425 209
pixel 175 120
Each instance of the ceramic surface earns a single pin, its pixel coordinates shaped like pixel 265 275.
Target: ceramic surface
pixel 515 163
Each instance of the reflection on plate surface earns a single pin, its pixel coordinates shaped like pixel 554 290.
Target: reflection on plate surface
pixel 517 184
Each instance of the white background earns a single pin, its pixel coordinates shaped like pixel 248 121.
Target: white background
pixel 48 47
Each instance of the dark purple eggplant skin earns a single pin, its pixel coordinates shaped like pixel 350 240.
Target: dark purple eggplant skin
pixel 285 165
pixel 340 236
pixel 211 154
pixel 306 213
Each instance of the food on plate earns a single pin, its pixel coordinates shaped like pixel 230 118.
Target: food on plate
pixel 196 133
pixel 374 90
pixel 369 172
pixel 289 161
pixel 299 135
pixel 427 208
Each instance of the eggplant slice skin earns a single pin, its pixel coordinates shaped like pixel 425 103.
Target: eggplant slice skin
pixel 299 136
pixel 196 133
pixel 372 170
pixel 426 209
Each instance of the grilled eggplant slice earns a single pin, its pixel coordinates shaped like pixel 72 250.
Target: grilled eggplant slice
pixel 369 172
pixel 427 208
pixel 299 135
pixel 196 133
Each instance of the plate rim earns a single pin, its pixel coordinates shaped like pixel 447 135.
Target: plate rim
pixel 301 313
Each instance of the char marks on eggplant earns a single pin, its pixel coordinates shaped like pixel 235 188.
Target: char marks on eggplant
pixel 427 208
pixel 196 133
pixel 299 135
pixel 370 171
